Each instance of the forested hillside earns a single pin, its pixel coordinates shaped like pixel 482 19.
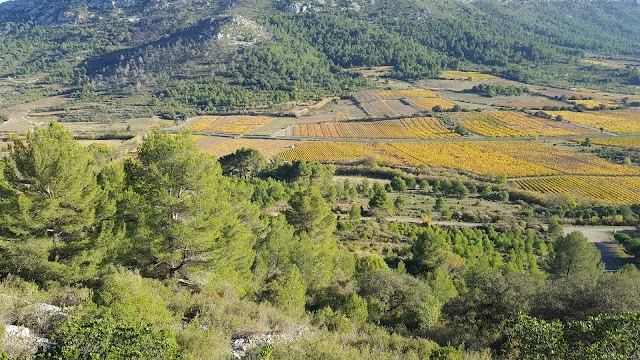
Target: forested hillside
pixel 137 48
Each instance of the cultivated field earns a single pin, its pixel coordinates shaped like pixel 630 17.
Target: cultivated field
pixel 228 124
pixel 219 146
pixel 618 121
pixel 465 75
pixel 18 114
pixel 410 128
pixel 492 158
pixel 401 107
pixel 376 95
pixel 604 188
pixel 594 103
pixel 560 160
pixel 427 104
pixel 326 151
pixel 379 109
pixel 621 142
pixel 514 124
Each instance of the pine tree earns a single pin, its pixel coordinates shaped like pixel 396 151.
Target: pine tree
pixel 186 224
pixel 574 255
pixel 52 206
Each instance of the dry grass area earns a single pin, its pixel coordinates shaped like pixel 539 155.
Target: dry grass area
pixel 465 75
pixel 157 123
pixel 222 146
pixel 579 93
pixel 528 104
pixel 612 64
pixel 338 110
pixel 80 128
pixel 335 116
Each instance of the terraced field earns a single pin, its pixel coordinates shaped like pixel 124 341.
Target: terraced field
pixel 514 124
pixel 409 128
pixel 465 75
pixel 617 121
pixel 625 190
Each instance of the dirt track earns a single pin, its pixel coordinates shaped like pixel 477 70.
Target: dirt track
pixel 613 254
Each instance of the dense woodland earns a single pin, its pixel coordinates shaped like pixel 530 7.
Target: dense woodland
pixel 173 253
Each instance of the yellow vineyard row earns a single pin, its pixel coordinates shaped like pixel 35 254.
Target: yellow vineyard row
pixel 409 128
pixel 500 158
pixel 617 121
pixel 607 189
pixel 514 124
pixel 229 124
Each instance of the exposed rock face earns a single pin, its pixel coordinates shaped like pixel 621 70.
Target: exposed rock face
pixel 240 345
pixel 296 8
pixel 23 335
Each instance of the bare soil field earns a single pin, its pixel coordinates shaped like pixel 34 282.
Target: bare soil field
pixel 18 114
pixel 460 85
pixel 79 128
pixel 336 111
pixel 581 93
pixel 275 126
pixel 379 109
pixel 402 108
pixel 218 146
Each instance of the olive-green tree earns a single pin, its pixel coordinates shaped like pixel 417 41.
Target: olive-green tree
pixel 572 255
pixel 55 217
pixel 185 220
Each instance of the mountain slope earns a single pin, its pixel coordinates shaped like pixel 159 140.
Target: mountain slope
pixel 275 51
